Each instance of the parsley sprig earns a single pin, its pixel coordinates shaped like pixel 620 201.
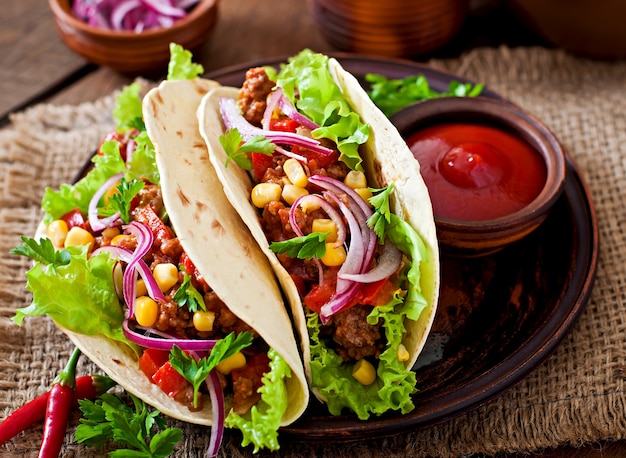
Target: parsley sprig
pixel 390 95
pixel 43 252
pixel 302 247
pixel 188 295
pixel 238 151
pixel 121 200
pixel 196 371
pixel 382 213
pixel 139 432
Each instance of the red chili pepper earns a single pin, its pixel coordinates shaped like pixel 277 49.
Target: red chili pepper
pixel 58 409
pixel 87 387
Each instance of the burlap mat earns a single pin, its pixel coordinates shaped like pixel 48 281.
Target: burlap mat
pixel 576 396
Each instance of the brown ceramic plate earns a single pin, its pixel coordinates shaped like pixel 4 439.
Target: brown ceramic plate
pixel 498 318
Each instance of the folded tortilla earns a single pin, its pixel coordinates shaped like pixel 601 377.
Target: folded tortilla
pixel 386 159
pixel 216 241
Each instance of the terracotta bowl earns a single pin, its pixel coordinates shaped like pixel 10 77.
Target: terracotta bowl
pixel 131 53
pixel 394 28
pixel 473 234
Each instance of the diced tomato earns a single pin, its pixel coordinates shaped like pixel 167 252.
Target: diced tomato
pixel 315 159
pixel 151 361
pixel 284 124
pixel 169 380
pixel 74 218
pixel 260 163
pixel 158 228
pixel 186 263
pixel 377 293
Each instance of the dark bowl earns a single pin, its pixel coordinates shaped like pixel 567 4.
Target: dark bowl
pixel 130 53
pixel 477 236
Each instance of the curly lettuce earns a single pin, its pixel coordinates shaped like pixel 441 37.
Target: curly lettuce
pixel 260 425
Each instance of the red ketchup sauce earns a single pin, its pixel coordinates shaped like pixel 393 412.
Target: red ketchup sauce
pixel 477 172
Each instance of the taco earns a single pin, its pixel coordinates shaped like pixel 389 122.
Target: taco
pixel 167 277
pixel 336 201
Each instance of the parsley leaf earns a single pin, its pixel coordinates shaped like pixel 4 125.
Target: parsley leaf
pixel 42 251
pixel 121 200
pixel 196 371
pixel 303 247
pixel 237 150
pixel 391 95
pixel 109 418
pixel 382 214
pixel 187 295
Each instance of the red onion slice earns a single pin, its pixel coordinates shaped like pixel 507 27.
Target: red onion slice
pixel 233 119
pixel 159 343
pixel 98 224
pixel 326 207
pixel 217 408
pixel 388 263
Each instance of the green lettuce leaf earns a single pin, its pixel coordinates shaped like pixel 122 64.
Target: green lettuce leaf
pixel 181 66
pixel 395 384
pixel 260 425
pixel 80 295
pixel 322 101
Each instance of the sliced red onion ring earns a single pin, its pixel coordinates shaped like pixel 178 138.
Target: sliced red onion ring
pixel 233 119
pixel 126 256
pixel 217 408
pixel 328 209
pixel 144 243
pixel 295 156
pixel 388 263
pixel 285 105
pixel 160 343
pixel 120 12
pixel 98 224
pixel 339 187
pixel 270 107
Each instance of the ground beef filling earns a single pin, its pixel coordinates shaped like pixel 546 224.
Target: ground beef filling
pixel 178 320
pixel 351 336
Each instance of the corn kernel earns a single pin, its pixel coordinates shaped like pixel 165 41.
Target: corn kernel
pixel 403 354
pixel 77 236
pixel 264 193
pixel 146 311
pixel 203 321
pixel 141 289
pixel 355 179
pixel 292 192
pixel 364 373
pixel 118 239
pixel 334 256
pixel 166 275
pixel 323 226
pixel 296 174
pixel 110 192
pixel 110 232
pixel 236 361
pixel 57 232
pixel 365 193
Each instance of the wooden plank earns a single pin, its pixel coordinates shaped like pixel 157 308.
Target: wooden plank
pixel 32 56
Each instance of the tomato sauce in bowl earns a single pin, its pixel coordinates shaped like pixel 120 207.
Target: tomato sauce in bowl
pixel 493 171
pixel 477 172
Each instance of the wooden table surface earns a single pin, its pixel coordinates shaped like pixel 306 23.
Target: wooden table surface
pixel 35 66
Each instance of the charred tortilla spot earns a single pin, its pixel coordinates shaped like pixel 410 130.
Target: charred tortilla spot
pixel 118 362
pixel 218 228
pixel 179 133
pixel 159 98
pixel 183 198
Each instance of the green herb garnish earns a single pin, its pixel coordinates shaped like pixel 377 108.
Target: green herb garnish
pixel 122 199
pixel 391 95
pixel 109 418
pixel 196 371
pixel 188 295
pixel 303 247
pixel 43 252
pixel 238 150
pixel 382 213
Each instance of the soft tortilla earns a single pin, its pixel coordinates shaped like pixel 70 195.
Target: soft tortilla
pixel 387 159
pixel 218 244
